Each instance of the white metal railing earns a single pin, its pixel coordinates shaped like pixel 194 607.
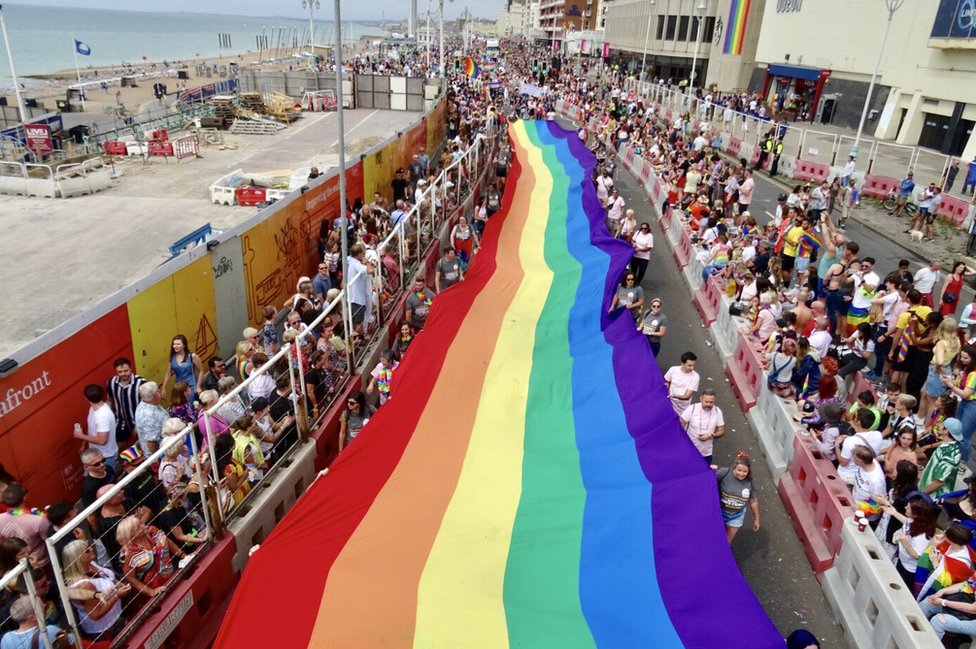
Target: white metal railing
pixel 134 609
pixel 22 572
pixel 744 124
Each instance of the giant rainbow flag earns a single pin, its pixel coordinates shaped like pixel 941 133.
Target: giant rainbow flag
pixel 528 484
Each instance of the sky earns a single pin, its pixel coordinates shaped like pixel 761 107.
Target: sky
pixel 371 10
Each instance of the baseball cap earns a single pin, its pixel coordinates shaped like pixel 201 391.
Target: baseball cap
pixel 954 426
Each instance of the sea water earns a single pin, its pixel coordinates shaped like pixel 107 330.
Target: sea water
pixel 42 38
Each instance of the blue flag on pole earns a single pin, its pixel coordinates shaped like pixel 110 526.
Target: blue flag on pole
pixel 82 48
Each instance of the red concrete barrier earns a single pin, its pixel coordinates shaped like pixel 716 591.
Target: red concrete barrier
pixel 745 373
pixel 809 170
pixel 878 186
pixel 115 148
pixel 629 158
pixel 646 173
pixel 859 385
pixel 248 195
pixel 733 148
pixel 953 210
pixel 178 620
pixel 755 155
pixel 683 251
pixel 160 148
pixel 708 300
pixel 818 501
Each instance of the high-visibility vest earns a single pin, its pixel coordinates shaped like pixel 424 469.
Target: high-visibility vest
pixel 779 148
pixel 768 146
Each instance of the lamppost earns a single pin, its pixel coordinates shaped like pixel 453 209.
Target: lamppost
pixel 442 67
pixel 702 6
pixel 311 5
pixel 344 214
pixel 647 37
pixel 892 6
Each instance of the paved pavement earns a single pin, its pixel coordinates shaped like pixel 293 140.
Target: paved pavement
pixel 772 559
pixel 71 253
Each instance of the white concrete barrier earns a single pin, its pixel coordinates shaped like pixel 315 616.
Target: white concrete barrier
pixel 275 499
pixel 869 598
pixel 776 436
pixel 786 166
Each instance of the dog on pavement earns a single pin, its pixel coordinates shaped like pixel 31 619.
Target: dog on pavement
pixel 916 235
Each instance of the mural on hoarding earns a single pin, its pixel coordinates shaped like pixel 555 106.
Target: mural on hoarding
pixel 284 247
pixel 955 19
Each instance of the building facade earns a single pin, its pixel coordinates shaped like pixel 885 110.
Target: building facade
pixel 926 92
pixel 662 37
pixel 512 20
pixel 560 17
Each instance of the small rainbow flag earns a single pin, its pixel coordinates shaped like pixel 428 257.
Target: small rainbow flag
pixel 471 68
pixel 810 241
pixel 530 485
pixel 735 33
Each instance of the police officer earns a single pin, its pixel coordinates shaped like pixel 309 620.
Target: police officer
pixel 777 152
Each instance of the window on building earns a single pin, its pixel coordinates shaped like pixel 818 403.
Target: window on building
pixel 672 24
pixel 683 28
pixel 660 28
pixel 709 32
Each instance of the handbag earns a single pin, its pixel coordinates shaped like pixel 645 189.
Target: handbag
pixel 965 598
pixel 949 298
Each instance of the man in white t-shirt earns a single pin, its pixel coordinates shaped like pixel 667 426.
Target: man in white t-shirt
pixel 820 338
pixel 101 425
pixel 869 477
pixel 682 382
pixel 704 423
pixel 863 436
pixel 926 280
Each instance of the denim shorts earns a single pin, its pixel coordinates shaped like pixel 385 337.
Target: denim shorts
pixel 734 520
pixel 933 386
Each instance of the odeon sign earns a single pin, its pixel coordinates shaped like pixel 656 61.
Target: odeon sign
pixel 966 18
pixel 787 6
pixel 955 19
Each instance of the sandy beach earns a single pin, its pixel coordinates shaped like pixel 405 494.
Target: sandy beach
pixel 50 87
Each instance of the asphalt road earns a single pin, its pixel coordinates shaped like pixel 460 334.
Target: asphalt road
pixel 772 559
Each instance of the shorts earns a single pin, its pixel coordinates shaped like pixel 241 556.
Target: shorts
pixel 734 520
pixel 901 200
pixel 358 313
pixel 743 208
pixel 933 386
pixel 905 365
pixel 788 262
pixel 802 264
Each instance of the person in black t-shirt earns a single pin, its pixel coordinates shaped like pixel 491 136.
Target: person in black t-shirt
pixel 282 409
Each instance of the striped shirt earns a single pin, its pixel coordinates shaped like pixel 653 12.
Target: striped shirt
pixel 125 398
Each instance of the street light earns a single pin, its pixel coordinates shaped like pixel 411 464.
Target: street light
pixel 311 5
pixel 702 6
pixel 442 66
pixel 647 37
pixel 892 6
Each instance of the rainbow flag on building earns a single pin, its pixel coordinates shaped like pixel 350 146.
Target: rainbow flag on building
pixel 735 29
pixel 529 485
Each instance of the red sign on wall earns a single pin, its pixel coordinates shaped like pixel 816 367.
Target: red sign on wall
pixel 38 138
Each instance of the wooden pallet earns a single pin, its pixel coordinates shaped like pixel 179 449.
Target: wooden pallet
pixel 252 127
